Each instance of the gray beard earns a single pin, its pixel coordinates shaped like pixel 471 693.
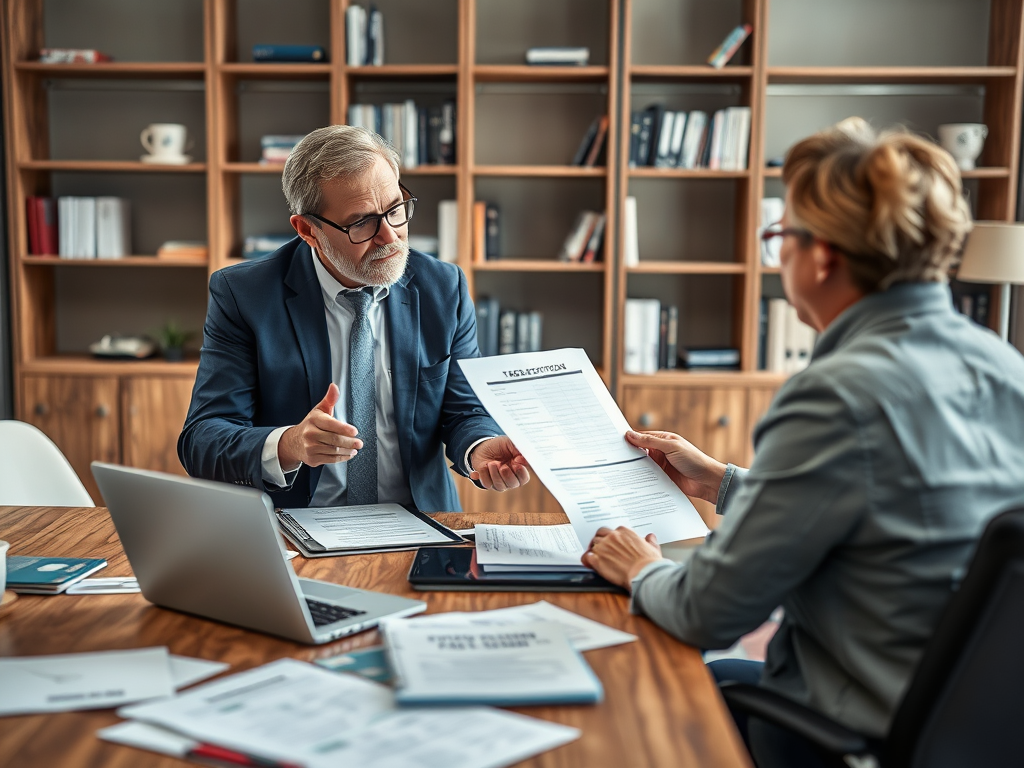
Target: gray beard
pixel 373 270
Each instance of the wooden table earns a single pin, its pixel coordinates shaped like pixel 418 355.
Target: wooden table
pixel 661 707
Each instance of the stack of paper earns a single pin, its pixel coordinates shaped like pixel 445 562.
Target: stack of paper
pixel 528 549
pixel 453 660
pixel 292 712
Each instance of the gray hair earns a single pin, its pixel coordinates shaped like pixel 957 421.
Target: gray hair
pixel 326 154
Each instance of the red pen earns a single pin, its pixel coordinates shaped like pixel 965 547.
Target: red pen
pixel 230 756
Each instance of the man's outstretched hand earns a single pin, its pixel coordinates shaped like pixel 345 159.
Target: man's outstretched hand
pixel 319 438
pixel 498 465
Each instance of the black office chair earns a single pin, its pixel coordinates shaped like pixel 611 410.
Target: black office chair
pixel 965 704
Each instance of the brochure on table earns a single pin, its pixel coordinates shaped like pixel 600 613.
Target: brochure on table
pixel 558 412
pixel 528 548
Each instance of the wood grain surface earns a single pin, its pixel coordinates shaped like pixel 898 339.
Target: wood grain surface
pixel 661 707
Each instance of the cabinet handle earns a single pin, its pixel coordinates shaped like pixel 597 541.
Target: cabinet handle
pixel 42 409
pixel 646 419
pixel 723 421
pixel 102 411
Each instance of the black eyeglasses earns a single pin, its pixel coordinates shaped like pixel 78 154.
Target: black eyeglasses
pixel 367 228
pixel 775 230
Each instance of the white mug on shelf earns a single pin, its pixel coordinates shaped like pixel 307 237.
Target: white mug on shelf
pixel 3 567
pixel 963 141
pixel 165 142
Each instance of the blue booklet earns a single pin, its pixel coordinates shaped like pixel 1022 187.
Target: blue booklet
pixel 48 575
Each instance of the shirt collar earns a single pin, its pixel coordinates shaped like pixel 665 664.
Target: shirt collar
pixel 331 287
pixel 900 301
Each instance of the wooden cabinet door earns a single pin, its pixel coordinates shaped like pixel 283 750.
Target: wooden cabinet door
pixel 154 412
pixel 758 400
pixel 80 414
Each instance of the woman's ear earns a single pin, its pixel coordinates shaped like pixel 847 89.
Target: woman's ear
pixel 827 260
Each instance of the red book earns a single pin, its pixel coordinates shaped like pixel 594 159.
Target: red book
pixel 32 211
pixel 595 147
pixel 47 217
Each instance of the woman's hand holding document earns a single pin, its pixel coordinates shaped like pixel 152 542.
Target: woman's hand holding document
pixel 558 412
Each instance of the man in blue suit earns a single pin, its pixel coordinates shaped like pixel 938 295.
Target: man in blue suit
pixel 329 373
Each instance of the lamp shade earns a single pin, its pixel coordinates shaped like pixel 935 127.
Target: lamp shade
pixel 994 253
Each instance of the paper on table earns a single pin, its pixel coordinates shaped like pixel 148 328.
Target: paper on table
pixel 558 412
pixel 292 711
pixel 459 661
pixel 372 525
pixel 186 671
pixel 528 548
pixel 113 585
pixel 146 736
pixel 83 680
pixel 582 633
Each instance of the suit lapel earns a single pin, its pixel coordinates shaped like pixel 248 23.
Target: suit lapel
pixel 403 313
pixel 306 312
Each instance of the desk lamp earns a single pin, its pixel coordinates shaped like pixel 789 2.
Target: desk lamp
pixel 995 254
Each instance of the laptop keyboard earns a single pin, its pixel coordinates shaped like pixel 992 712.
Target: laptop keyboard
pixel 325 613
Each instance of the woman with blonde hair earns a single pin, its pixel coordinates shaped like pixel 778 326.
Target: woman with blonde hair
pixel 875 469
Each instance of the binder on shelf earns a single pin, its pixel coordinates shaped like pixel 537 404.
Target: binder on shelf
pixel 487 311
pixel 355 35
pixel 630 234
pixel 448 231
pixel 375 37
pixel 696 124
pixel 507 332
pixel 775 357
pixel 522 332
pixel 492 236
pixel 642 336
pixel 663 156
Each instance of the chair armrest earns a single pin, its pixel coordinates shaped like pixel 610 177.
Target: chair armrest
pixel 774 708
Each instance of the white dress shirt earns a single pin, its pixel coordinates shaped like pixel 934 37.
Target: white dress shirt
pixel 391 481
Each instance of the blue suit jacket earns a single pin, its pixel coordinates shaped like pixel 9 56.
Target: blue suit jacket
pixel 266 362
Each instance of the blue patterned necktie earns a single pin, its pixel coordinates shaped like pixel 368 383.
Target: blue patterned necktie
pixel 362 409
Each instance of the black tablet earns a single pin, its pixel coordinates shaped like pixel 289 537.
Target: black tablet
pixel 455 568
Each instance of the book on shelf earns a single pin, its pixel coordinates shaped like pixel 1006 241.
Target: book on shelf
pixel 710 358
pixel 671 337
pixel 42 226
pixel 258 246
pixel 194 250
pixel 588 139
pixel 448 231
pixel 93 227
pixel 421 135
pixel 486 231
pixel 364 36
pixel 665 139
pixel 279 53
pixel 789 341
pixel 487 312
pixel 592 251
pixel 454 660
pixel 275 148
pixel 642 336
pixel 558 56
pixel 772 209
pixel 48 575
pixel 72 56
pixel 696 124
pixel 578 238
pixel 630 234
pixel 590 150
pixel 506 331
pixel 729 46
pixel 663 150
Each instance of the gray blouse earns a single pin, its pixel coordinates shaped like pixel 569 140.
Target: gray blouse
pixel 875 470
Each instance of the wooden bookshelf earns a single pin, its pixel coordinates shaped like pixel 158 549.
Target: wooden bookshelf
pixel 517 129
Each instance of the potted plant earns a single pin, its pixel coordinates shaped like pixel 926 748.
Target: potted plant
pixel 172 341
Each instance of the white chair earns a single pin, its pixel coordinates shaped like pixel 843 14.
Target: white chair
pixel 33 471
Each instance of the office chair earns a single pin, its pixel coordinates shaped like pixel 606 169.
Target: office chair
pixel 33 471
pixel 965 702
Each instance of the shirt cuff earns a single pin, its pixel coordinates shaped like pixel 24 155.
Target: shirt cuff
pixel 271 463
pixel 465 459
pixel 634 586
pixel 723 489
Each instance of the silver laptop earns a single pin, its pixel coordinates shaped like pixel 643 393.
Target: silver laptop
pixel 213 549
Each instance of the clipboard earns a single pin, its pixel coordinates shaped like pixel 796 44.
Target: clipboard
pixel 308 546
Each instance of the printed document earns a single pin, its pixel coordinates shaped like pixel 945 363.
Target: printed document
pixel 296 712
pixel 582 633
pixel 558 412
pixel 372 526
pixel 526 548
pixel 83 680
pixel 457 661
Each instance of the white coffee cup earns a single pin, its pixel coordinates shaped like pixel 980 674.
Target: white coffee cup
pixel 165 139
pixel 964 141
pixel 3 567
